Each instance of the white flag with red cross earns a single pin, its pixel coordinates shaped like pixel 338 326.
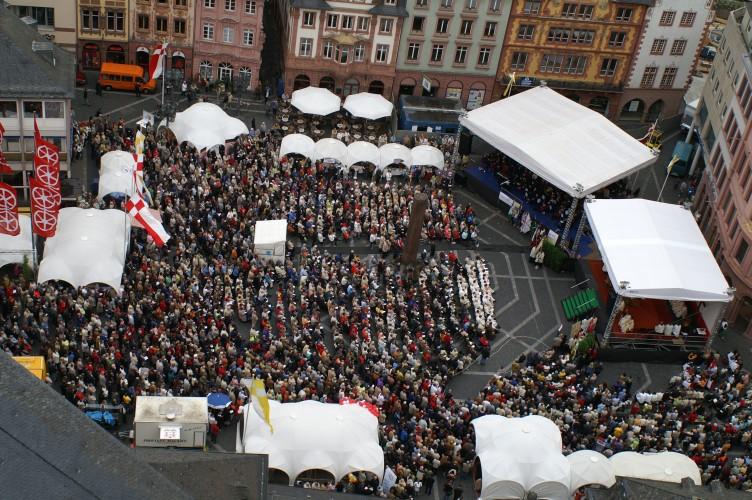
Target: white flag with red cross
pixel 156 61
pixel 139 212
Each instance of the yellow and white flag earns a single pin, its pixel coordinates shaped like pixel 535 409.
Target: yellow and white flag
pixel 511 83
pixel 260 402
pixel 671 164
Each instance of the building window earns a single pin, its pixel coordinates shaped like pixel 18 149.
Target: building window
pixel 667 17
pixel 181 3
pixel 494 5
pixel 551 63
pixel 246 73
pixel 437 54
pixel 115 20
pixel 143 21
pixel 225 71
pixel 442 24
pixel 624 14
pixel 328 50
pixel 413 51
pixel 484 55
pixel 525 32
pixel 250 8
pixel 359 52
pixel 617 38
pixel 669 75
pixel 178 26
pixel 741 253
pixel 558 35
pixel 574 65
pixel 33 108
pixel 382 52
pixel 519 61
pixel 347 22
pixel 569 10
pixel 418 24
pixel 161 24
pixel 228 35
pixel 385 26
pixel 490 30
pixel 209 4
pixel 208 31
pixel 247 37
pixel 421 3
pixel 446 4
pixel 648 77
pixel 466 28
pixel 460 55
pixel 309 18
pixel 90 20
pixel 678 47
pixel 332 21
pixel 577 11
pixel 205 70
pixel 390 2
pixel 229 4
pixel 471 4
pixel 583 37
pixel 688 19
pixel 608 66
pixel 8 109
pixel 364 23
pixel 340 54
pixel 53 109
pixel 306 44
pixel 45 16
pixel 659 45
pixel 531 7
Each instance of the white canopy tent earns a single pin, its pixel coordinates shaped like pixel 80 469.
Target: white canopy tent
pixel 427 155
pixel 316 101
pixel 116 174
pixel 369 106
pixel 311 435
pixel 270 239
pixel 590 467
pixel 330 149
pixel 298 144
pixel 570 146
pixel 206 125
pixel 394 153
pixel 88 247
pixel 667 466
pixel 361 151
pixel 13 249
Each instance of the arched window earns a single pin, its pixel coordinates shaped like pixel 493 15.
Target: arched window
pixel 632 110
pixel 327 82
pixel 376 87
pixel 301 82
pixel 352 86
pixel 246 73
pixel 205 70
pixel 225 71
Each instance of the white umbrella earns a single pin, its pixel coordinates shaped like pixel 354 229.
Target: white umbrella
pixel 394 153
pixel 590 467
pixel 362 151
pixel 369 106
pixel 427 155
pixel 297 143
pixel 330 149
pixel 316 101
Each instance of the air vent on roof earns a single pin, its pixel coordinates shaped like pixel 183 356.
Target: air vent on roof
pixel 44 48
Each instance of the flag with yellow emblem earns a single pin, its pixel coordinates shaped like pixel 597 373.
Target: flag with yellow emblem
pixel 260 402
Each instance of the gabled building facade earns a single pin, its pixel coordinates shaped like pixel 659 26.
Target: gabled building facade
pixel 103 32
pixel 156 21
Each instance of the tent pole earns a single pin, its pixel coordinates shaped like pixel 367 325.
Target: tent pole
pixel 456 152
pixel 611 319
pixel 570 218
pixel 581 227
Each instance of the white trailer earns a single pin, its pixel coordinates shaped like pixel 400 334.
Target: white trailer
pixel 171 422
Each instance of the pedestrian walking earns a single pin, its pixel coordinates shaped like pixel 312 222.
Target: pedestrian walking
pixel 86 96
pixel 266 94
pixel 428 482
pixel 98 89
pixel 137 88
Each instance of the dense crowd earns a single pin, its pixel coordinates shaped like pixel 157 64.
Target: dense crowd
pixel 201 313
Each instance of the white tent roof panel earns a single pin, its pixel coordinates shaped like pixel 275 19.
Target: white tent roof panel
pixel 298 144
pixel 206 125
pixel 658 249
pixel 559 140
pixel 268 232
pixel 13 249
pixel 116 173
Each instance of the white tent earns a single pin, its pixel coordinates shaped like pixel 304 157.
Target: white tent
pixel 206 125
pixel 13 249
pixel 88 247
pixel 519 456
pixel 394 153
pixel 559 140
pixel 369 106
pixel 656 251
pixel 116 173
pixel 310 435
pixel 590 467
pixel 427 155
pixel 316 101
pixel 330 149
pixel 667 466
pixel 297 143
pixel 362 151
pixel 270 239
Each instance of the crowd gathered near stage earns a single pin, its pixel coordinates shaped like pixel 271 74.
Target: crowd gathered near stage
pixel 338 319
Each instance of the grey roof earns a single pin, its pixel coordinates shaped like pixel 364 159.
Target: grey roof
pixel 643 489
pixel 398 10
pixel 26 73
pixel 310 4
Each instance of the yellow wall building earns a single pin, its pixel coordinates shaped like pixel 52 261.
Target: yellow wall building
pixel 103 32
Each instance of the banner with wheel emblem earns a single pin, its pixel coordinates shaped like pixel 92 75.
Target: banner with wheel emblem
pixel 9 210
pixel 45 186
pixel 4 165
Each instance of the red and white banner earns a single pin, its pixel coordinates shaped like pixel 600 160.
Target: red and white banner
pixel 139 212
pixel 363 404
pixel 9 210
pixel 138 157
pixel 156 61
pixel 4 165
pixel 45 186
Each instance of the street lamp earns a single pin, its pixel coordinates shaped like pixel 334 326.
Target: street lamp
pixel 173 79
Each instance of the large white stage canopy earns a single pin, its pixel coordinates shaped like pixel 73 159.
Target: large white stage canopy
pixel 572 147
pixel 206 125
pixel 88 247
pixel 666 466
pixel 339 439
pixel 656 250
pixel 13 249
pixel 116 174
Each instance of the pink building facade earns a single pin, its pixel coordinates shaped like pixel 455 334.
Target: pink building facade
pixel 228 39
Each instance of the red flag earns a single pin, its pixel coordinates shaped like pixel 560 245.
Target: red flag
pixel 45 205
pixel 4 165
pixel 37 135
pixel 9 210
pixel 46 161
pixel 139 211
pixel 156 61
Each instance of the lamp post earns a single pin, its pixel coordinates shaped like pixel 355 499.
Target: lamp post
pixel 174 78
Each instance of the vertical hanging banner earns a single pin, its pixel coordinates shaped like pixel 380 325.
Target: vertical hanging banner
pixel 4 165
pixel 45 186
pixel 9 210
pixel 156 61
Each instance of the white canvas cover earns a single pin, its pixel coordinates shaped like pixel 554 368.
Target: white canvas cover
pixel 206 125
pixel 362 151
pixel 270 238
pixel 559 140
pixel 116 174
pixel 521 455
pixel 427 155
pixel 330 149
pixel 369 106
pixel 13 249
pixel 667 466
pixel 590 467
pixel 311 435
pixel 298 144
pixel 658 249
pixel 394 153
pixel 316 101
pixel 88 247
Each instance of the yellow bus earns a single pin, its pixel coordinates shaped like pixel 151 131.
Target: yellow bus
pixel 113 76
